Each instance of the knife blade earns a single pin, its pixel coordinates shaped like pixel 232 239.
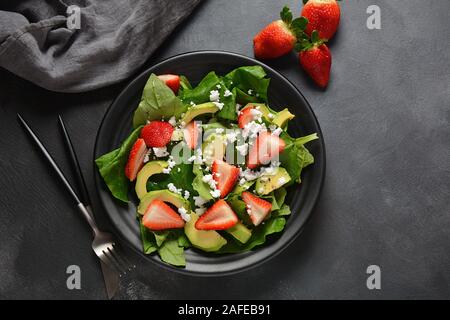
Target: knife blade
pixel 110 276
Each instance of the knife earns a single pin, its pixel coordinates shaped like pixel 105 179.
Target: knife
pixel 110 276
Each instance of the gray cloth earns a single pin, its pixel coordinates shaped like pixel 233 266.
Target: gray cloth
pixel 116 37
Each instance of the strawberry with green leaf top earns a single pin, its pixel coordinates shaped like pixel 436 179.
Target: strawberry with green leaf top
pixel 279 37
pixel 315 58
pixel 323 16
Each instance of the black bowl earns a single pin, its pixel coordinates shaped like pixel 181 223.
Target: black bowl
pixel 116 126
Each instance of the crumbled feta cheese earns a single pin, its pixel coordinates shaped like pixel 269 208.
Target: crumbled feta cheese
pixel 250 175
pixel 231 136
pixel 271 115
pixel 183 212
pixel 187 194
pixel 192 158
pixel 250 91
pixel 199 201
pixel 172 121
pixel 238 106
pixel 242 149
pixel 173 188
pixel 272 127
pixel 227 93
pixel 277 132
pixel 215 193
pixel 242 181
pixel 264 178
pixel 167 170
pixel 179 170
pixel 218 86
pixel 252 129
pixel 209 180
pixel 260 190
pixel 192 103
pixel 214 96
pixel 281 181
pixel 160 152
pixel 218 105
pixel 220 130
pixel 183 123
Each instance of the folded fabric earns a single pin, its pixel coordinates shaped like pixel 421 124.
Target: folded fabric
pixel 39 40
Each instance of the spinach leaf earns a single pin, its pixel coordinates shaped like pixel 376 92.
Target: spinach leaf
pixel 250 80
pixel 172 253
pixel 285 210
pixel 112 167
pixel 198 185
pixel 148 239
pixel 201 92
pixel 160 236
pixel 157 101
pixel 294 158
pixel 228 111
pixel 259 236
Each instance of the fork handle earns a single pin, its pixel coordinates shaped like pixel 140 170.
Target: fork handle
pixel 87 215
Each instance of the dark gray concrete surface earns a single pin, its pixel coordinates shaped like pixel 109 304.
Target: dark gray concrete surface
pixel 386 201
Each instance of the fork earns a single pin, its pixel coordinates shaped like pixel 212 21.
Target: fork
pixel 103 244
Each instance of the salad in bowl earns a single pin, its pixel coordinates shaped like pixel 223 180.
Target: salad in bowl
pixel 209 164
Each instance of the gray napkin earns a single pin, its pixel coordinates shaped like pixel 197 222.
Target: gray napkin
pixel 115 38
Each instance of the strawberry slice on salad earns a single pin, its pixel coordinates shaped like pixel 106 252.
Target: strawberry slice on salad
pixel 219 216
pixel 157 134
pixel 257 208
pixel 266 147
pixel 159 216
pixel 172 81
pixel 247 115
pixel 225 175
pixel 135 159
pixel 191 134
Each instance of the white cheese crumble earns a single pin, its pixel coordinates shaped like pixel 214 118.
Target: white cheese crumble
pixel 172 121
pixel 227 93
pixel 209 180
pixel 214 96
pixel 231 136
pixel 199 201
pixel 215 193
pixel 250 91
pixel 242 181
pixel 183 212
pixel 220 130
pixel 271 115
pixel 218 86
pixel 174 189
pixel 242 149
pixel 187 194
pixel 277 132
pixel 218 104
pixel 281 181
pixel 238 106
pixel 200 211
pixel 191 159
pixel 252 129
pixel 160 152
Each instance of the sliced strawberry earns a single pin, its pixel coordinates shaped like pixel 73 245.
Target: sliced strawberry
pixel 157 134
pixel 172 81
pixel 159 216
pixel 265 148
pixel 257 208
pixel 225 176
pixel 247 115
pixel 135 159
pixel 219 216
pixel 191 134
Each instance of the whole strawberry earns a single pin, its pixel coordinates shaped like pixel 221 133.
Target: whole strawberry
pixel 323 16
pixel 279 37
pixel 315 58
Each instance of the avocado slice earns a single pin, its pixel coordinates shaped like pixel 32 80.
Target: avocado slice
pixel 240 232
pixel 197 110
pixel 238 189
pixel 214 148
pixel 266 184
pixel 208 241
pixel 150 168
pixel 163 195
pixel 282 117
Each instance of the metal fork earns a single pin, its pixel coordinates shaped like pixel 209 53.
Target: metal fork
pixel 103 245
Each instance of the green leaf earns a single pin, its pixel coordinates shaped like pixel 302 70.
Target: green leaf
pixel 198 185
pixel 183 241
pixel 306 139
pixel 184 85
pixel 160 237
pixel 259 236
pixel 249 78
pixel 285 210
pixel 157 101
pixel 170 252
pixel 112 167
pixel 201 92
pixel 294 158
pixel 299 24
pixel 228 111
pixel 286 15
pixel 148 239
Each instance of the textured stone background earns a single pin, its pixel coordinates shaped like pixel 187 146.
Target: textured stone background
pixel 386 200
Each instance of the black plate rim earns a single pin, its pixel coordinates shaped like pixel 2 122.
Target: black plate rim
pixel 159 263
